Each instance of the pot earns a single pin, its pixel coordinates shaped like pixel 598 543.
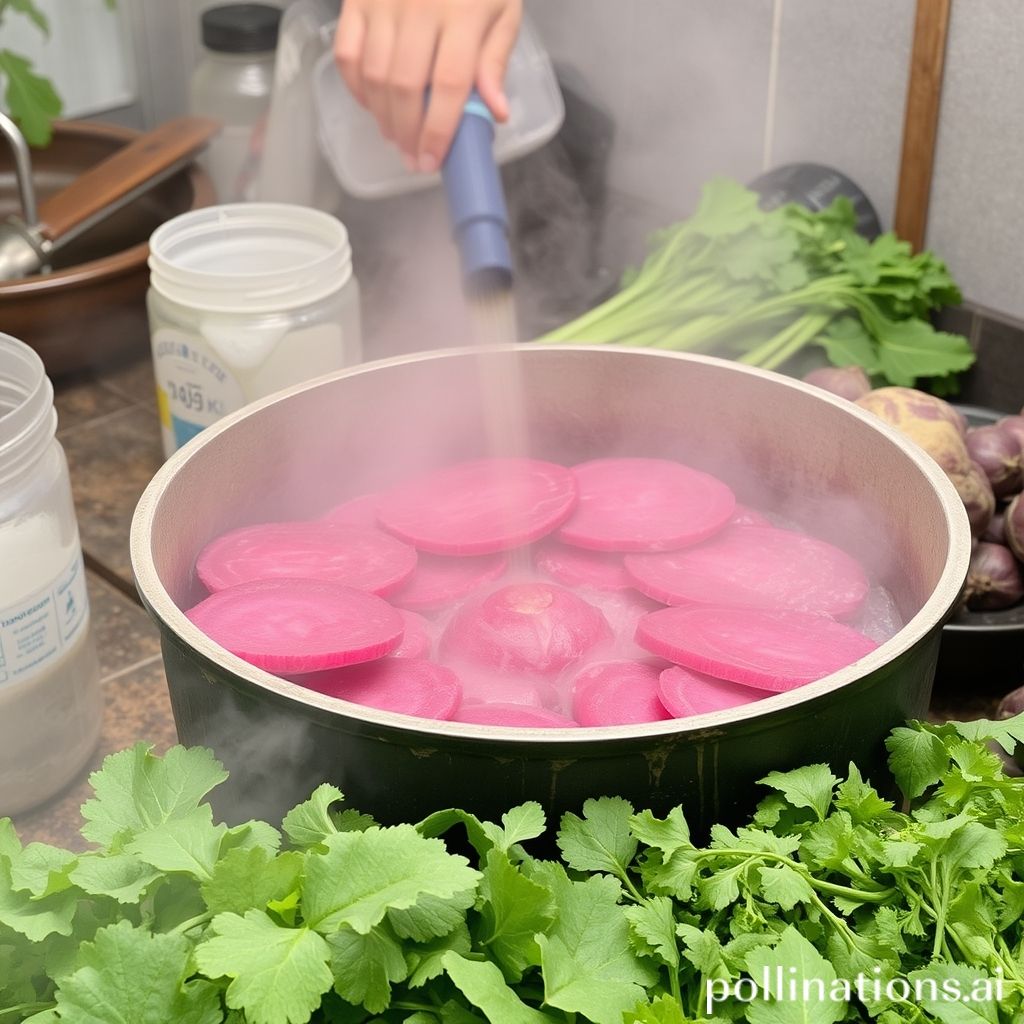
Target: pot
pixel 91 309
pixel 781 444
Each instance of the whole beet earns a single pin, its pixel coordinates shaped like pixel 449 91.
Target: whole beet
pixel 1013 526
pixel 995 532
pixel 998 453
pixel 994 579
pixel 849 382
pixel 1014 426
pixel 976 493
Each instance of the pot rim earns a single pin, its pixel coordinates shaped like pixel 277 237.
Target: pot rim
pixel 929 617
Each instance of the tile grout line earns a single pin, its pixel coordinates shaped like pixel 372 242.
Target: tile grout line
pixel 97 421
pixel 771 89
pixel 135 666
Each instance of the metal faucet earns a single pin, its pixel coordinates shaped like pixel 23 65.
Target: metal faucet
pixel 22 247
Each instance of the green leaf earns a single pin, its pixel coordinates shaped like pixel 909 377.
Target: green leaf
pixel 250 879
pixel 128 976
pixel 30 98
pixel 956 993
pixel 514 910
pixel 663 1010
pixel 910 349
pixel 703 950
pixel 722 888
pixel 587 959
pixel 972 846
pixel 278 974
pixel 252 835
pixel 440 822
pixel 188 843
pixel 34 918
pixel 120 876
pixel 41 870
pixel 672 876
pixel 1007 733
pixel 517 826
pixel 32 12
pixel 366 966
pixel 310 822
pixel 802 965
pixel 426 960
pixel 667 834
pixel 483 985
pixel 136 791
pixel 601 840
pixel 859 800
pixel 362 875
pixel 917 759
pixel 847 343
pixel 432 916
pixel 653 927
pixel 10 844
pixel 785 886
pixel 810 786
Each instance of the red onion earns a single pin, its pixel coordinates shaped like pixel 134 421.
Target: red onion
pixel 1013 519
pixel 976 493
pixel 993 580
pixel 845 381
pixel 999 456
pixel 1012 704
pixel 995 532
pixel 1014 426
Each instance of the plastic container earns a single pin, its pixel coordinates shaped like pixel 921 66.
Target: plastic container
pixel 232 82
pixel 50 701
pixel 369 167
pixel 245 300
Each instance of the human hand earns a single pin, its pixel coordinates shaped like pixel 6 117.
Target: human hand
pixel 390 51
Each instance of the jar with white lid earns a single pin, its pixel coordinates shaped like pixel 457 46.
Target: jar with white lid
pixel 50 702
pixel 245 300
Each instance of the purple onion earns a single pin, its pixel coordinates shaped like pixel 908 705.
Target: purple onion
pixel 848 382
pixel 976 493
pixel 1014 426
pixel 994 580
pixel 995 532
pixel 999 456
pixel 1012 704
pixel 1013 526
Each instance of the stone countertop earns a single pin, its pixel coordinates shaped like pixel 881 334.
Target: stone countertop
pixel 109 428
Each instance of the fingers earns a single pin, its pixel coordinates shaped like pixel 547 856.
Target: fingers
pixel 378 52
pixel 454 72
pixel 493 62
pixel 348 48
pixel 411 63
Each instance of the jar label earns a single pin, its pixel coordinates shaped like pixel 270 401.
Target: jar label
pixel 194 389
pixel 35 631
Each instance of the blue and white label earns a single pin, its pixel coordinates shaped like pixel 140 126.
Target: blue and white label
pixel 37 630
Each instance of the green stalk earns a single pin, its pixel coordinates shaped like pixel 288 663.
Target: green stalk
pixel 803 330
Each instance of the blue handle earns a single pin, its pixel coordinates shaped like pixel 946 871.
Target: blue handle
pixel 476 201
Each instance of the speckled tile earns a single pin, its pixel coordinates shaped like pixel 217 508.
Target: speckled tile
pixel 125 634
pixel 81 399
pixel 132 380
pixel 111 462
pixel 137 708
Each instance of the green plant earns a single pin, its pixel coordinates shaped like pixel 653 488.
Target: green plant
pixel 29 98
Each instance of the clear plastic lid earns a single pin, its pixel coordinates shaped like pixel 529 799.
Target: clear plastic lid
pixel 369 167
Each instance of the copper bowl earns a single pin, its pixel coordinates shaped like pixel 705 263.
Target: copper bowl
pixel 91 309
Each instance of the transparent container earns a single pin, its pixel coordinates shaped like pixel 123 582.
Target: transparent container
pixel 245 300
pixel 50 701
pixel 232 82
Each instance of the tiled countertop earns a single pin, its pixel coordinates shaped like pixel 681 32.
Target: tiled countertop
pixel 109 429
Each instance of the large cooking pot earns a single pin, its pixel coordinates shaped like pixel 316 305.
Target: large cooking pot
pixel 782 445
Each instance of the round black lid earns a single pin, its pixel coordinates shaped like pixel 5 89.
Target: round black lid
pixel 241 28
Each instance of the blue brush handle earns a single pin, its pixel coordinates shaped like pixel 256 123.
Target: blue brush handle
pixel 476 201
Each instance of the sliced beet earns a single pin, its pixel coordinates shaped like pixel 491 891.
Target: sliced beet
pixel 405 685
pixel 480 507
pixel 746 516
pixel 577 567
pixel 356 556
pixel 289 626
pixel 645 505
pixel 361 511
pixel 685 692
pixel 769 650
pixel 754 567
pixel 519 716
pixel 439 579
pixel 617 693
pixel 493 688
pixel 416 639
pixel 533 628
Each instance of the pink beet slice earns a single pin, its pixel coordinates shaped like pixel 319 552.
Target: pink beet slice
pixel 518 716
pixel 645 505
pixel 534 628
pixel 361 511
pixel 577 567
pixel 289 626
pixel 480 507
pixel 746 516
pixel 769 650
pixel 368 559
pixel 492 688
pixel 754 567
pixel 439 580
pixel 406 685
pixel 416 641
pixel 685 692
pixel 617 693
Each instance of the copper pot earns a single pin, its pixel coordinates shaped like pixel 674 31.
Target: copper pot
pixel 91 308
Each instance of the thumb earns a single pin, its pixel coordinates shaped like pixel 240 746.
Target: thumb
pixel 494 54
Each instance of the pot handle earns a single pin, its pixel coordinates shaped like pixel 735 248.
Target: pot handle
pixel 117 180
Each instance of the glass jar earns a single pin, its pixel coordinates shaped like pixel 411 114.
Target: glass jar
pixel 232 82
pixel 50 701
pixel 245 300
